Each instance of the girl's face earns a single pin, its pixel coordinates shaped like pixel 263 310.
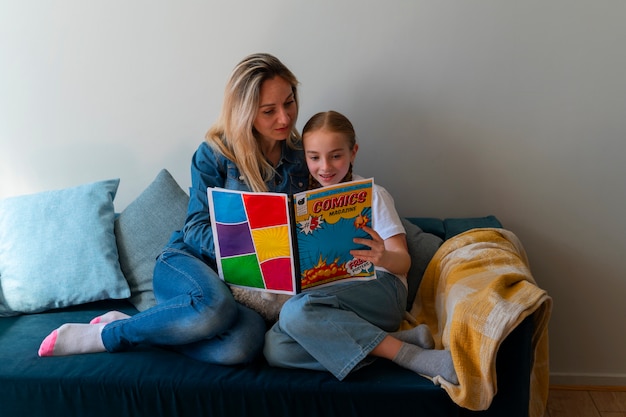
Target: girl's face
pixel 328 155
pixel 277 110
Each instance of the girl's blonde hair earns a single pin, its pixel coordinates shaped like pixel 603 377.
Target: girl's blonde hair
pixel 233 134
pixel 333 122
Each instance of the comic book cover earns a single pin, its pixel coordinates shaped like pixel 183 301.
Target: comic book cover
pixel 327 220
pixel 286 244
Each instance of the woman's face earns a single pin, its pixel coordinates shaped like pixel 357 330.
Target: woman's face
pixel 328 155
pixel 277 110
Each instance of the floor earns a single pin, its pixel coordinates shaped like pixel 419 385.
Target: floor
pixel 586 402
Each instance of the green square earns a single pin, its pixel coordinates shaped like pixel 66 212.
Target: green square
pixel 243 270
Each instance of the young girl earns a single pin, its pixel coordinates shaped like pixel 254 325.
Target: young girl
pixel 335 328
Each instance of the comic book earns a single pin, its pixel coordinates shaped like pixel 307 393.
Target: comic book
pixel 287 244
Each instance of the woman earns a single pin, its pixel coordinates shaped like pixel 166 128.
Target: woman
pixel 253 146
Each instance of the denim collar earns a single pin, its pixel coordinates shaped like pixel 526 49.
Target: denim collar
pixel 290 155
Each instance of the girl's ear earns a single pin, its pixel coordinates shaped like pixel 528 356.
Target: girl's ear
pixel 355 149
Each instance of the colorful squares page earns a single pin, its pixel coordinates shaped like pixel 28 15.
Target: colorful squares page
pixel 252 238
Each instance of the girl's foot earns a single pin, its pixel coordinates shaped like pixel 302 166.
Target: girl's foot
pixel 427 362
pixel 419 335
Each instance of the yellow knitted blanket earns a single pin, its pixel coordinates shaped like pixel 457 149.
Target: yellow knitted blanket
pixel 475 291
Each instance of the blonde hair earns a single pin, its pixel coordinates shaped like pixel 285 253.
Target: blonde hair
pixel 336 122
pixel 332 121
pixel 233 134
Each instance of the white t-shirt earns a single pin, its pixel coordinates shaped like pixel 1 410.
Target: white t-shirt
pixel 386 221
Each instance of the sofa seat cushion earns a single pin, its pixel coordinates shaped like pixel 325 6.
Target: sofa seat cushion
pixel 156 382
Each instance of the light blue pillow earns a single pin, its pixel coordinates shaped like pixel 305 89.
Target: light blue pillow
pixel 57 249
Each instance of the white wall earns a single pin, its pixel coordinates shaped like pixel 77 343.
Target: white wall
pixel 512 108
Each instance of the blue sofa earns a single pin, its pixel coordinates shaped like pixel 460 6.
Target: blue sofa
pixel 151 381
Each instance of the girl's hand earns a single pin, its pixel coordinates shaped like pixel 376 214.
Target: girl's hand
pixel 391 254
pixel 376 253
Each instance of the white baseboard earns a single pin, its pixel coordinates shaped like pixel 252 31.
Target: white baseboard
pixel 618 380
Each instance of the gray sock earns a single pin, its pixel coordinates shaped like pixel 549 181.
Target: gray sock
pixel 419 336
pixel 428 362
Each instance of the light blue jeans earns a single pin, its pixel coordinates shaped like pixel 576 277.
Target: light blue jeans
pixel 195 314
pixel 334 328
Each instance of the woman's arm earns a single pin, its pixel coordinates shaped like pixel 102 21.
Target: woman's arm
pixel 205 172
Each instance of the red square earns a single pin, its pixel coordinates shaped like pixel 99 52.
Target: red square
pixel 266 210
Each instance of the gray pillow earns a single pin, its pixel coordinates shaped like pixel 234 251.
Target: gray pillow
pixel 143 229
pixel 57 249
pixel 422 246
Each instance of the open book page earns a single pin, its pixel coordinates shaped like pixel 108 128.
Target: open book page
pixel 327 220
pixel 269 242
pixel 253 240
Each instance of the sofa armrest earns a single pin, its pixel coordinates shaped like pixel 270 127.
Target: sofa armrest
pixel 513 367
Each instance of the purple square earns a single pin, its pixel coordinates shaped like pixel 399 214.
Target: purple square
pixel 235 239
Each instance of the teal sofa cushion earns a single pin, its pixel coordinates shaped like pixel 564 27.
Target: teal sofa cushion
pixel 455 226
pixel 149 381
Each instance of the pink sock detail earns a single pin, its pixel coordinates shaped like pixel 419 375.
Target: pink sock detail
pixel 96 320
pixel 47 346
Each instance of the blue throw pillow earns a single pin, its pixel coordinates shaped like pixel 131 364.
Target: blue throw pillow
pixel 57 249
pixel 144 228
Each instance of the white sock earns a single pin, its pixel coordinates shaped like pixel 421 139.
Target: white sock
pixel 109 317
pixel 71 339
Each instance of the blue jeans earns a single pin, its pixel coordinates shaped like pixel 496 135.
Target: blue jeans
pixel 195 314
pixel 334 328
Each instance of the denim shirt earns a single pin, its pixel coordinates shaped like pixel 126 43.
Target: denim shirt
pixel 212 169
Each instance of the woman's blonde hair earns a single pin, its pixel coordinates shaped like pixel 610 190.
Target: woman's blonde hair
pixel 233 134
